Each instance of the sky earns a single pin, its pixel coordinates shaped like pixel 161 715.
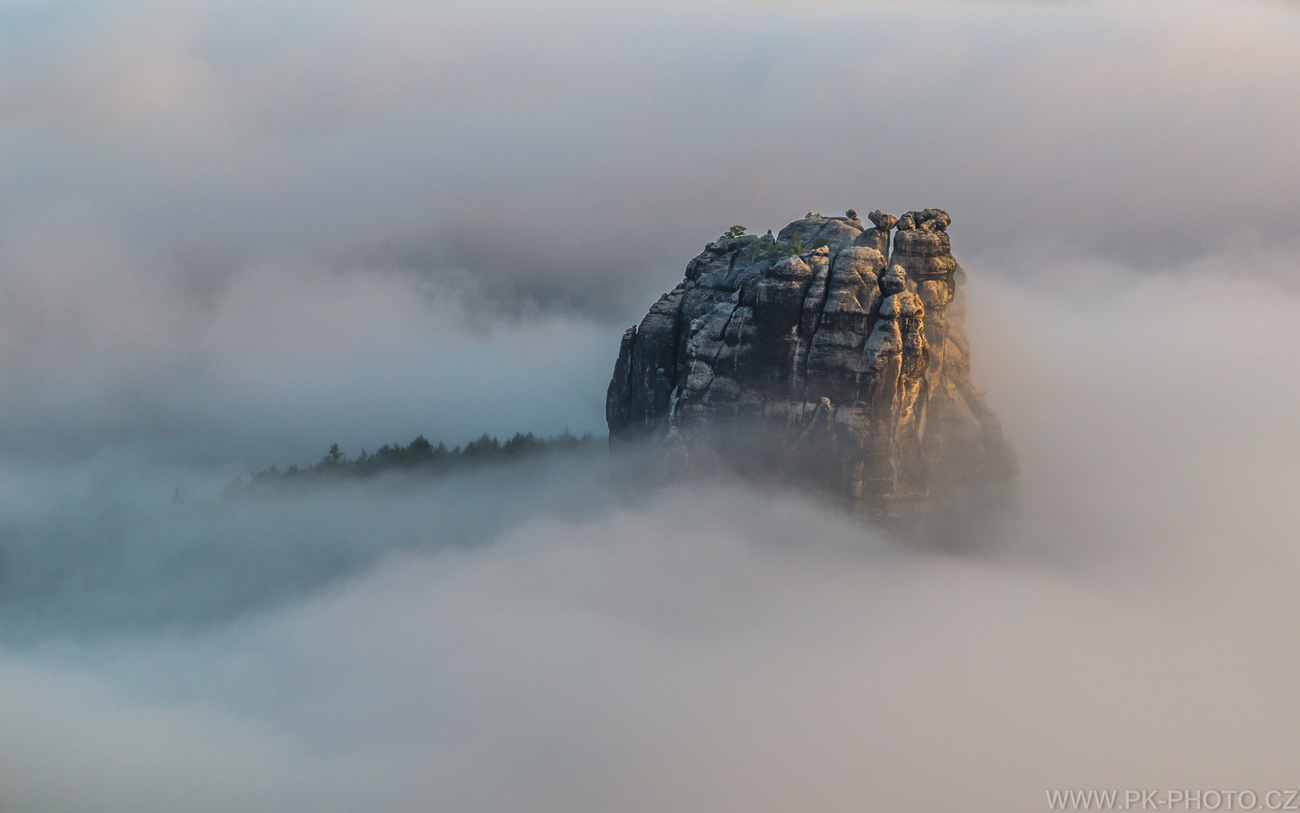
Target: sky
pixel 233 233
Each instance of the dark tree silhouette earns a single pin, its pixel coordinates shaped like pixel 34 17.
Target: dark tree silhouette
pixel 421 455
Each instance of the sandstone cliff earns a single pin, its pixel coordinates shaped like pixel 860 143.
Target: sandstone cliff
pixel 829 355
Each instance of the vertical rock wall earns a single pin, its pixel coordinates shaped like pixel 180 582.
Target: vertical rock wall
pixel 830 356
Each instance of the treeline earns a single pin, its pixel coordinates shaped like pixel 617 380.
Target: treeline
pixel 421 455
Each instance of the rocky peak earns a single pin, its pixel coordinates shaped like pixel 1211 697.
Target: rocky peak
pixel 831 355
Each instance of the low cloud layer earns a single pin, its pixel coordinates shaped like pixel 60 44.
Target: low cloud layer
pixel 762 657
pixel 538 639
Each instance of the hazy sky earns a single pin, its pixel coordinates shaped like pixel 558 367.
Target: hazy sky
pixel 233 233
pixel 244 229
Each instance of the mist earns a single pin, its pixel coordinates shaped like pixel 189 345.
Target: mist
pixel 232 234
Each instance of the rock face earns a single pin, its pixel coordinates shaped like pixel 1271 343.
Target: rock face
pixel 824 356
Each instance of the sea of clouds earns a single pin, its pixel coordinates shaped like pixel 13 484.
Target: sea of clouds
pixel 232 234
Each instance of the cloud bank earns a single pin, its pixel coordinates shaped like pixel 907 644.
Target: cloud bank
pixel 540 639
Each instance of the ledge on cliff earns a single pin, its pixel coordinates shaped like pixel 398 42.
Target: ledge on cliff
pixel 831 355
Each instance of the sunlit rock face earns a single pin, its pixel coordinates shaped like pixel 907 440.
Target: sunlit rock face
pixel 830 356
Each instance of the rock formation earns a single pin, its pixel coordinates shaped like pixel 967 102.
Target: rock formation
pixel 824 356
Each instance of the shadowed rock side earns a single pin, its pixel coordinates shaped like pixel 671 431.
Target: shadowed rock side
pixel 824 356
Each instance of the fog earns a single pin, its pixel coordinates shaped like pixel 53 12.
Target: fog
pixel 231 235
